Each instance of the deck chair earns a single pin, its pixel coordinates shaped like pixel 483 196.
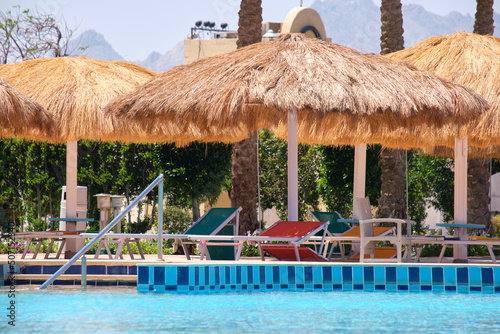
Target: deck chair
pixel 214 222
pixel 369 239
pixel 337 225
pixel 293 233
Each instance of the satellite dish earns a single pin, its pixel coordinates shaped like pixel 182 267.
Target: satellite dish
pixel 198 23
pixel 212 24
pixel 223 25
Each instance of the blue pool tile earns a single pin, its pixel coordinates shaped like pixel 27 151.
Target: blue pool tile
pixel 391 287
pixel 426 288
pixel 337 286
pixel 217 274
pixel 33 270
pixel 463 288
pixel 226 276
pixel 463 276
pixel 238 275
pixel 425 275
pixel 488 289
pixel 196 276
pixel 299 275
pixel 337 275
pixel 212 277
pixel 379 287
pixel 249 274
pixel 402 287
pixel 450 288
pixel 308 275
pixel 159 276
pixel 357 275
pixel 182 276
pixel 269 275
pixel 318 286
pixel 95 270
pixel 256 275
pixel 402 275
pixel 262 275
pixel 244 275
pixel 291 274
pixel 347 287
pixel 450 276
pixel 170 275
pixel 327 274
pixel 132 270
pixel 276 274
pixel 368 275
pixel 487 276
pixel 437 276
pixel 390 275
pixel 379 275
pixel 346 275
pixel 414 288
pixel 496 276
pixel 143 275
pixel 414 275
pixel 317 275
pixel 206 275
pixel 117 270
pixel 369 287
pixel 284 275
pixel 475 289
pixel 438 288
pixel 357 286
pixel 232 271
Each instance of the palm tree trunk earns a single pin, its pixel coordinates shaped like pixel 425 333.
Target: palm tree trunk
pixel 478 170
pixel 393 162
pixel 244 159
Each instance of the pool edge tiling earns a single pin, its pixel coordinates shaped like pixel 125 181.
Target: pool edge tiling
pixel 218 278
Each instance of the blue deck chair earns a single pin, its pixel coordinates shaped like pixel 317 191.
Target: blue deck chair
pixel 215 222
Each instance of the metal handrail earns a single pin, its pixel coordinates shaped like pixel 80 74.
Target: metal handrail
pixel 157 181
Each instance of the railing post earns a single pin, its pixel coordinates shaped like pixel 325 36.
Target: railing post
pixel 160 221
pixel 84 273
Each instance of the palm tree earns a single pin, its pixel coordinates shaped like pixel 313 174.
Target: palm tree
pixel 478 211
pixel 393 162
pixel 244 169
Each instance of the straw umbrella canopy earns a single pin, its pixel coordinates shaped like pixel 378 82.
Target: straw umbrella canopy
pixel 74 91
pixel 328 93
pixel 22 117
pixel 474 61
pixel 471 60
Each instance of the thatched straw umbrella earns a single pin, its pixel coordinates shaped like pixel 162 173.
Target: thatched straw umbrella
pixel 335 95
pixel 74 91
pixel 471 60
pixel 22 117
pixel 474 61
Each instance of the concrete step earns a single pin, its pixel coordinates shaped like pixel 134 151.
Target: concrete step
pixel 92 280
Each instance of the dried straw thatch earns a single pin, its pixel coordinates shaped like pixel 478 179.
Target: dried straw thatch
pixel 473 61
pixel 75 90
pixel 22 117
pixel 342 96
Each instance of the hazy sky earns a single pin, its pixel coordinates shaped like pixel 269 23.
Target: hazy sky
pixel 135 28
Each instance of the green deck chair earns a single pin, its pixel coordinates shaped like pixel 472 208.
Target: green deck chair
pixel 334 228
pixel 216 222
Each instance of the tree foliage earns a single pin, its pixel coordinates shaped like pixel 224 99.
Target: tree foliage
pixel 26 34
pixel 337 177
pixel 273 164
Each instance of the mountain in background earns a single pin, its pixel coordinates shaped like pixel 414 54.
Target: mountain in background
pixel 95 46
pixel 356 23
pixel 160 63
pixel 353 23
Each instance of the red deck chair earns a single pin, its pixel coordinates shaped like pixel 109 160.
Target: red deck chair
pixel 293 233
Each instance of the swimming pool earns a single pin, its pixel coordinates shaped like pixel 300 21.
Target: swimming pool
pixel 126 310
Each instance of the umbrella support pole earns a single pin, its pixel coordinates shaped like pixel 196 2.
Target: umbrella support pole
pixel 293 174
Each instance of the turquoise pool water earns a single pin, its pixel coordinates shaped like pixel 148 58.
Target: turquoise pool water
pixel 128 311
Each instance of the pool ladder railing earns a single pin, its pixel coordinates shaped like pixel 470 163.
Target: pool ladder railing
pixel 158 181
